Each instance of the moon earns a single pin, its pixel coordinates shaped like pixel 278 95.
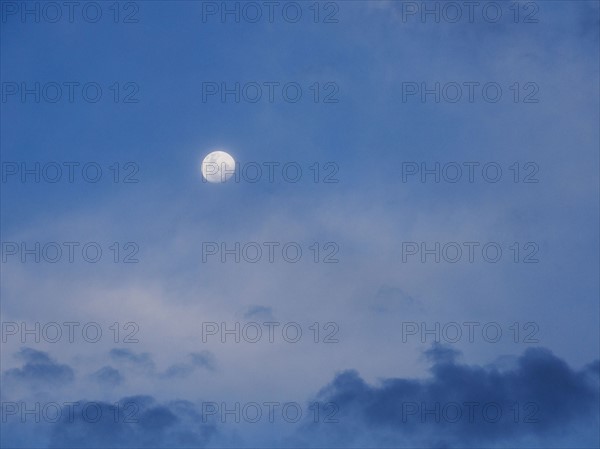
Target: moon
pixel 218 167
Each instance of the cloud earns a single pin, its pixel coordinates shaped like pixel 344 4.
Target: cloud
pixel 393 299
pixel 141 422
pixel 259 312
pixel 108 376
pixel 141 361
pixel 144 362
pixel 39 370
pixel 203 359
pixel 537 402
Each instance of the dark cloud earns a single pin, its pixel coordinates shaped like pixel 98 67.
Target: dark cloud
pixel 141 422
pixel 259 312
pixel 536 400
pixel 203 359
pixel 141 361
pixel 540 401
pixel 108 376
pixel 39 370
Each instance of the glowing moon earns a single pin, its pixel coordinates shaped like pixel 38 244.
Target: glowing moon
pixel 218 166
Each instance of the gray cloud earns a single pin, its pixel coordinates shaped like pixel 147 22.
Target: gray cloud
pixel 143 422
pixel 259 312
pixel 39 370
pixel 536 400
pixel 540 400
pixel 203 359
pixel 108 376
pixel 141 361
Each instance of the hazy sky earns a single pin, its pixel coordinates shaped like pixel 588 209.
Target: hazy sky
pixel 427 143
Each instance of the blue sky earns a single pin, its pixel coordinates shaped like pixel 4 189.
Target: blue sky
pixel 371 297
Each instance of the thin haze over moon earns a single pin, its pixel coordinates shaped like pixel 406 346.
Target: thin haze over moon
pixel 218 167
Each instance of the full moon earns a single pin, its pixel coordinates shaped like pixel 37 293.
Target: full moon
pixel 218 166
